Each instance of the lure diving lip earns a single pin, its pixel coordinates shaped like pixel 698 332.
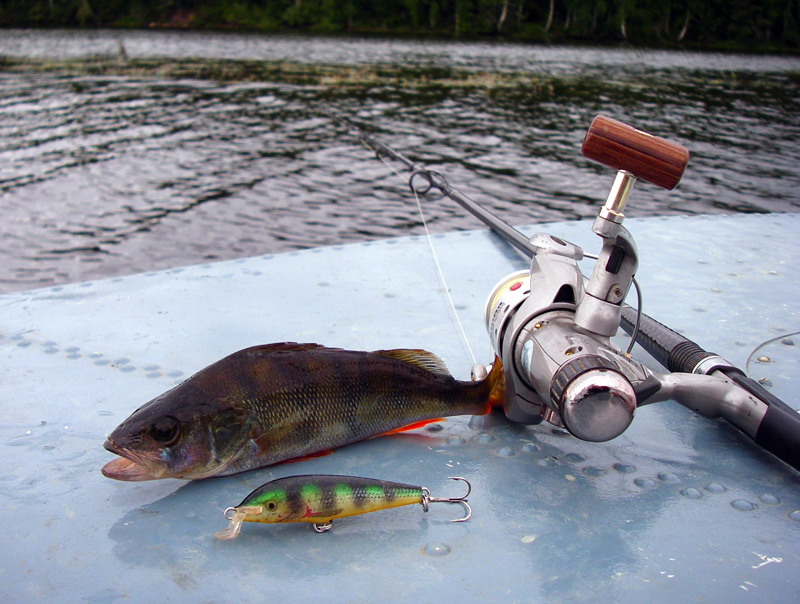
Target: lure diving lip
pixel 321 498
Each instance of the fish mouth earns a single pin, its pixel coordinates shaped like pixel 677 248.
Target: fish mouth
pixel 132 466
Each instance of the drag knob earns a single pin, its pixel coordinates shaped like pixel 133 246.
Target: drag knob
pixel 596 402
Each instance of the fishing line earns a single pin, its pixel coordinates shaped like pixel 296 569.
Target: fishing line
pixel 433 253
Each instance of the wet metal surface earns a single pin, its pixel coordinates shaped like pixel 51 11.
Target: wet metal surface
pixel 677 509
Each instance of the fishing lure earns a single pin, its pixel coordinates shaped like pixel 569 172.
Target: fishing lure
pixel 319 499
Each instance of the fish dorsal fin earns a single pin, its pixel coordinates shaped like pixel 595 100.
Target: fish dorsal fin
pixel 419 358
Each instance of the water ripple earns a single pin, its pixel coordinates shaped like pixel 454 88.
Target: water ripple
pixel 106 175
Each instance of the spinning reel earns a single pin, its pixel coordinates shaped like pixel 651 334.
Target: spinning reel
pixel 551 328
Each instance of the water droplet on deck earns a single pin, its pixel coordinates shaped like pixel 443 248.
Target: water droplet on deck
pixel 484 438
pixel 742 505
pixel 715 487
pixel 456 441
pixel 574 457
pixel 529 448
pixel 624 468
pixel 593 471
pixel 668 477
pixel 769 499
pixel 795 515
pixel 644 483
pixel 505 452
pixel 691 493
pixel 436 549
pixel 548 462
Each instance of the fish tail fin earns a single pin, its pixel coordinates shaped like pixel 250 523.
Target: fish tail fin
pixel 496 382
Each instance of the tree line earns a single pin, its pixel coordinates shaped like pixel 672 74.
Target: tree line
pixel 736 24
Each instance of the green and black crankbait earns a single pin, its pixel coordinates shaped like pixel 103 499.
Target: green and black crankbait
pixel 319 499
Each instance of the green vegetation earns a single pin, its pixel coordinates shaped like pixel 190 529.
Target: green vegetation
pixel 333 78
pixel 734 24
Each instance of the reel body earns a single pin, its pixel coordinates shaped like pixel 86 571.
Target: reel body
pixel 551 327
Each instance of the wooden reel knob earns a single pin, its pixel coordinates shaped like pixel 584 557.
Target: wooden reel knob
pixel 622 147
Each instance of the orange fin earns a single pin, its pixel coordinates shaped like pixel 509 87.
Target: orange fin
pixel 309 456
pixel 414 426
pixel 497 385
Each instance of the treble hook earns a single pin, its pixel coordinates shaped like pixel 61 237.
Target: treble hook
pixel 426 499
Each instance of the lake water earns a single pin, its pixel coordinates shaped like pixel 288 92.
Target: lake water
pixel 108 175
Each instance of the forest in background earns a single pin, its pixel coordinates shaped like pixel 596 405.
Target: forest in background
pixel 722 24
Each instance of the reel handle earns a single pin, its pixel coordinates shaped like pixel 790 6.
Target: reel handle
pixel 622 147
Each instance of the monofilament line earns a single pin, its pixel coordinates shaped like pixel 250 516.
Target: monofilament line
pixel 436 262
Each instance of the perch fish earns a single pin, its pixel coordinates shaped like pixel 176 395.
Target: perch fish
pixel 277 402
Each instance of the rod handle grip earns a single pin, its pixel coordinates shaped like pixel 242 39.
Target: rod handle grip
pixel 623 147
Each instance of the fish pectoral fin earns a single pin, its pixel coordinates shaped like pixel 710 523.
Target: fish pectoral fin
pixel 419 358
pixel 414 426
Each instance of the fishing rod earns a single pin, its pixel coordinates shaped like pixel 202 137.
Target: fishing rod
pixel 551 327
pixel 435 180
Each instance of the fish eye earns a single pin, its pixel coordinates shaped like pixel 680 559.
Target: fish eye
pixel 165 431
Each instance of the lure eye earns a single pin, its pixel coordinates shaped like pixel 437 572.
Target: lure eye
pixel 271 505
pixel 165 431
